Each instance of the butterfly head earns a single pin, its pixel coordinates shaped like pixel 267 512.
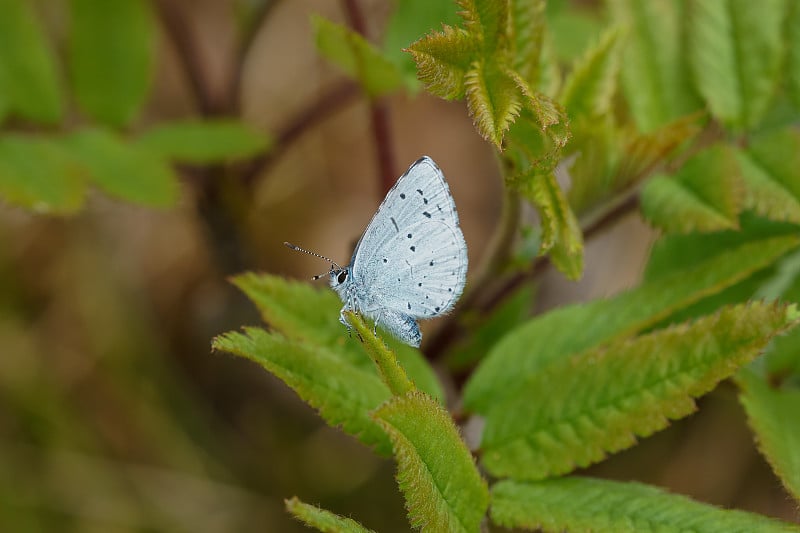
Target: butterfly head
pixel 340 276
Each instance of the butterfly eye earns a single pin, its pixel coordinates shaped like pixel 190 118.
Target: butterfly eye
pixel 342 276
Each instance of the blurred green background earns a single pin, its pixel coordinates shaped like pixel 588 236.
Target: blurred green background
pixel 114 413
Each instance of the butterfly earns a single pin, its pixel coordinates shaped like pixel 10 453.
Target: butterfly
pixel 411 261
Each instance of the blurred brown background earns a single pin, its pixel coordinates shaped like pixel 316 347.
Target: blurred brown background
pixel 114 413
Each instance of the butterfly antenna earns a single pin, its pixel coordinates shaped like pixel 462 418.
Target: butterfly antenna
pixel 298 249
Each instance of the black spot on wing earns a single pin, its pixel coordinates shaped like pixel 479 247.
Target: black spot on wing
pixel 403 195
pixel 419 191
pixel 426 214
pixel 395 224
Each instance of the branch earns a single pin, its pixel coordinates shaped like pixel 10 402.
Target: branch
pixel 181 36
pixel 321 109
pixel 380 118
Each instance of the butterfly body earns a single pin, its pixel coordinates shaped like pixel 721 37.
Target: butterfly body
pixel 411 262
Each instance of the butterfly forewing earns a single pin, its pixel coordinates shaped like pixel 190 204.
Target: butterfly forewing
pixel 412 257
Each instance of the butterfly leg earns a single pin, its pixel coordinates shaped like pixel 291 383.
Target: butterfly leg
pixel 402 326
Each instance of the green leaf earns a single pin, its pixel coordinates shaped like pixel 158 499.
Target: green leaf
pixel 125 170
pixel 487 21
pixel 39 174
pixel 735 53
pixel 769 169
pixel 344 393
pixel 29 85
pixel 436 472
pixel 410 20
pixel 582 504
pixel 508 315
pixel 589 89
pixel 391 373
pixel 204 141
pixel 793 53
pixel 357 57
pixel 520 355
pixel 443 59
pixel 655 75
pixel 111 57
pixel 705 195
pixel 600 400
pixel 301 312
pixel 772 413
pixel 561 235
pixel 323 520
pixel 527 36
pixel 493 99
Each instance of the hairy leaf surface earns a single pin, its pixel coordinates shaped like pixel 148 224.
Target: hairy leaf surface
pixel 589 89
pixel 436 472
pixel 576 410
pixel 705 195
pixel 735 53
pixel 583 505
pixel 520 355
pixel 323 520
pixel 772 413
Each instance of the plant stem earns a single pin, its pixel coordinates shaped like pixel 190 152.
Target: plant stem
pixel 379 115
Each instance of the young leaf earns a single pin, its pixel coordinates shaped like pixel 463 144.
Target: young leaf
pixel 410 20
pixel 204 141
pixel 655 75
pixel 705 195
pixel 590 87
pixel 488 23
pixel 39 174
pixel 520 355
pixel 599 401
pixel 29 84
pixel 342 392
pixel 124 170
pixel 436 472
pixel 111 57
pixel 385 361
pixel 769 168
pixel 493 100
pixel 772 413
pixel 301 312
pixel 735 53
pixel 561 235
pixel 527 37
pixel 357 57
pixel 323 520
pixel 582 504
pixel 443 59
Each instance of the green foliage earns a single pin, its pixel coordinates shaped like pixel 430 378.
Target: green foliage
pixel 309 350
pixel 654 71
pixel 40 174
pixel 124 170
pixel 561 235
pixel 111 56
pixel 444 491
pixel 204 141
pixel 518 357
pixel 600 400
pixel 29 85
pixel 769 167
pixel 735 52
pixel 323 520
pixel 589 89
pixel 772 412
pixel 705 195
pixel 391 373
pixel 357 57
pixel 793 59
pixel 581 504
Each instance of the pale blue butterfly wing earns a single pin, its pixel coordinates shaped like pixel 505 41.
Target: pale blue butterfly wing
pixel 412 258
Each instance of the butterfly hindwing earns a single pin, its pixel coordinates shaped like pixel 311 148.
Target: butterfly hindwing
pixel 420 271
